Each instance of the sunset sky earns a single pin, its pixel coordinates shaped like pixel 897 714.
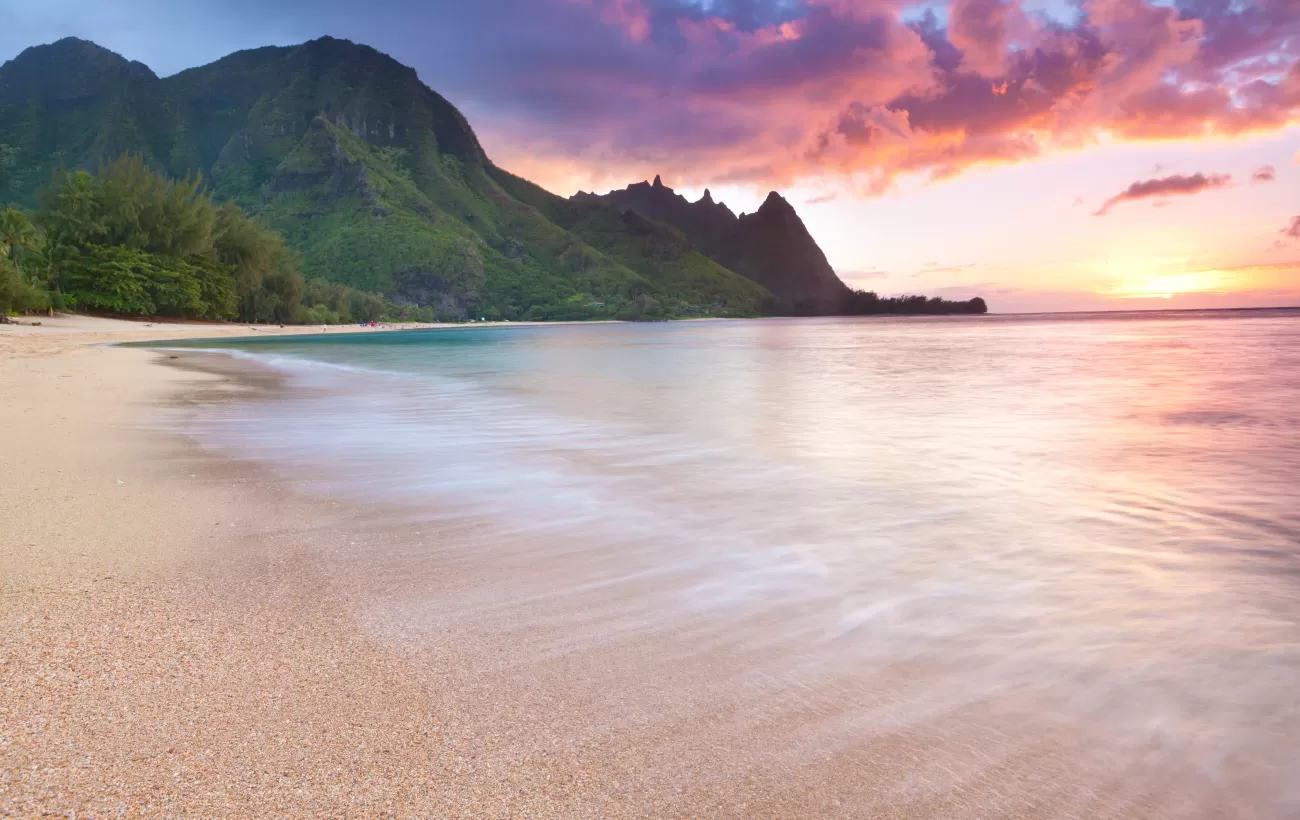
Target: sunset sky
pixel 1046 155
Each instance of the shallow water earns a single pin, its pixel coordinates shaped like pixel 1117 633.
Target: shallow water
pixel 1079 526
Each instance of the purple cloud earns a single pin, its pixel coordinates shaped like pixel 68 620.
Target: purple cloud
pixel 1176 185
pixel 1292 231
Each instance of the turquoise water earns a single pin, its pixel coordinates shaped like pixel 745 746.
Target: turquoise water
pixel 1084 525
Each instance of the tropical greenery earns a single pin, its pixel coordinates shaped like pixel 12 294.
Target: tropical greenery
pixel 132 241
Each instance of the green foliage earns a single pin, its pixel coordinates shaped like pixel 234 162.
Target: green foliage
pixel 134 241
pixel 865 302
pixel 124 280
pixel 21 246
pixel 395 158
pixel 329 303
pixel 683 281
pixel 267 286
pixel 143 209
pixel 17 295
pixel 8 161
pixel 19 238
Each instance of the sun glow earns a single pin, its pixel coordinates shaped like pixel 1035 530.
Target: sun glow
pixel 1166 285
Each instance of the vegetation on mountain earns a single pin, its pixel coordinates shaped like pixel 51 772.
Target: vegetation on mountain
pixel 658 252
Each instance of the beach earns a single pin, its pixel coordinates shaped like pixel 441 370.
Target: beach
pixel 621 571
pixel 168 646
pixel 171 644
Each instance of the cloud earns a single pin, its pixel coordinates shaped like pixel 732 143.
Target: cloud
pixel 823 199
pixel 1265 173
pixel 1292 231
pixel 984 30
pixel 773 92
pixel 1176 185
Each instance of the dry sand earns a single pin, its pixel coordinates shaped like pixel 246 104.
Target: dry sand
pixel 159 653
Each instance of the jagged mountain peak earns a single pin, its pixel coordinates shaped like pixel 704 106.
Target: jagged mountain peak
pixel 775 201
pixel 771 246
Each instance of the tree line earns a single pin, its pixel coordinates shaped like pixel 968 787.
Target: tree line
pixel 132 241
pixel 867 303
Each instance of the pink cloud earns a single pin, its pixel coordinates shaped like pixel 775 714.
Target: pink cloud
pixel 771 93
pixel 984 30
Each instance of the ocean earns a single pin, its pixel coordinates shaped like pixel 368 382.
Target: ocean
pixel 1046 565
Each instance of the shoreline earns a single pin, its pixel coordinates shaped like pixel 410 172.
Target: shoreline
pixel 65 332
pixel 180 633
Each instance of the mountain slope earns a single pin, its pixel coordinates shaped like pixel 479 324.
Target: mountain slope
pixel 770 246
pixel 375 180
pixel 69 104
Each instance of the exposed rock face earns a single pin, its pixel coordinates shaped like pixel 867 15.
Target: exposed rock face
pixel 770 246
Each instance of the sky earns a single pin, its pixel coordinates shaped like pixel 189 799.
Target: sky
pixel 1047 155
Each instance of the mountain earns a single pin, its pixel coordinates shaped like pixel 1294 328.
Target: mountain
pixel 375 180
pixel 770 246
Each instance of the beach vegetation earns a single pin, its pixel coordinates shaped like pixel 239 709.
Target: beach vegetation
pixel 130 240
pixel 21 244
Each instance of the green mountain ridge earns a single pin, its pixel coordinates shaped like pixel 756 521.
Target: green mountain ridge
pixel 374 180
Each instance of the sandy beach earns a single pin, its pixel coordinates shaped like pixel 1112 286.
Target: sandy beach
pixel 167 646
pixel 171 644
pixel 163 648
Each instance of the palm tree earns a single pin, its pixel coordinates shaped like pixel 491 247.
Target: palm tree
pixel 18 236
pixel 71 208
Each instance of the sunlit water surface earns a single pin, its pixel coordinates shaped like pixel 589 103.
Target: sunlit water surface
pixel 1087 525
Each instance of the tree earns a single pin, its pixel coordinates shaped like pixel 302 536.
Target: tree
pixel 18 236
pixel 17 295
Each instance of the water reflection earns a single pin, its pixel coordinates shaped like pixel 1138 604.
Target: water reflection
pixel 1038 548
